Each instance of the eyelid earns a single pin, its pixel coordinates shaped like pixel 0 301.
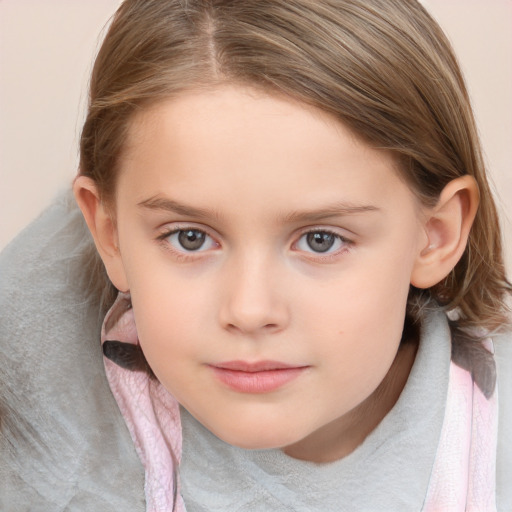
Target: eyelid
pixel 172 227
pixel 326 229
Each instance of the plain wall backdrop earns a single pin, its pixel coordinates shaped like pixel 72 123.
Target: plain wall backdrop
pixel 46 53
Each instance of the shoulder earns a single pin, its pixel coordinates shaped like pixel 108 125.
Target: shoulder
pixel 503 356
pixel 62 438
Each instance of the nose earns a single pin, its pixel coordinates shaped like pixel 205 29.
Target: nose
pixel 253 298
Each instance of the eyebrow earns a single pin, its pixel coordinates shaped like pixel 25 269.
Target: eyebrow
pixel 169 205
pixel 334 210
pixel 339 209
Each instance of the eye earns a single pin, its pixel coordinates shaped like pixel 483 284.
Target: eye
pixel 189 240
pixel 320 242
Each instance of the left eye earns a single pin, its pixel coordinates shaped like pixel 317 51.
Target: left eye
pixel 190 240
pixel 320 242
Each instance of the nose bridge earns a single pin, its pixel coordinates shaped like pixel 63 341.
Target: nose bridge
pixel 252 297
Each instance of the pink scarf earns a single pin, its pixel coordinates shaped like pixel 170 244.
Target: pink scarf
pixel 463 477
pixel 464 473
pixel 150 412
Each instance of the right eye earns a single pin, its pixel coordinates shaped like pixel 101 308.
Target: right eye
pixel 190 240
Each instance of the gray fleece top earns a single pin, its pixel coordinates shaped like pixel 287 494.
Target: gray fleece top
pixel 64 445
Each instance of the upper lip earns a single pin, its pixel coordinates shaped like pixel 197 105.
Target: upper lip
pixel 257 366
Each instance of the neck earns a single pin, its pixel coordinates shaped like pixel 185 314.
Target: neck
pixel 342 436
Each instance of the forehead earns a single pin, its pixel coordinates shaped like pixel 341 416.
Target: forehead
pixel 228 108
pixel 230 139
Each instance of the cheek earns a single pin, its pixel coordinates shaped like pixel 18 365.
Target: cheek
pixel 169 310
pixel 165 297
pixel 169 325
pixel 159 300
pixel 371 291
pixel 363 312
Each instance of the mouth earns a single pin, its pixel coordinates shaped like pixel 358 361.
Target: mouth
pixel 256 377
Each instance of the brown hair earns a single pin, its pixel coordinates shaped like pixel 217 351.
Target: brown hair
pixel 382 67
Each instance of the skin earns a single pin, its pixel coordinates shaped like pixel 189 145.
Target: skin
pixel 256 173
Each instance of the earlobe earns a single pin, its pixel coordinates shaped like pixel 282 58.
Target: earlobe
pixel 447 226
pixel 102 227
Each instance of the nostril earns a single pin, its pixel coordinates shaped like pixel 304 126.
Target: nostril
pixel 248 329
pixel 233 328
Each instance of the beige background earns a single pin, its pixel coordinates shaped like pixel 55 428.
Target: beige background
pixel 46 52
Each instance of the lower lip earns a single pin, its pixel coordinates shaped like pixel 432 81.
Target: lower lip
pixel 257 382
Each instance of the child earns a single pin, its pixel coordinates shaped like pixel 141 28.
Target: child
pixel 290 199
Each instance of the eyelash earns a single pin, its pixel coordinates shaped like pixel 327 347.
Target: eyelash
pixel 187 255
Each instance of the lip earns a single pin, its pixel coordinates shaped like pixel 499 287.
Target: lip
pixel 256 377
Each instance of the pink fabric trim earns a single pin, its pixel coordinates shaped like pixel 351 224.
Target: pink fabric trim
pixel 152 416
pixel 482 462
pixel 464 473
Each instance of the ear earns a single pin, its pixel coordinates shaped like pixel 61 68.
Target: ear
pixel 447 228
pixel 102 226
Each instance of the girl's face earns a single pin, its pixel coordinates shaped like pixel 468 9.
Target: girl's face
pixel 268 253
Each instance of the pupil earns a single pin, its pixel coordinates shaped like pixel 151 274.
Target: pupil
pixel 191 239
pixel 320 241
